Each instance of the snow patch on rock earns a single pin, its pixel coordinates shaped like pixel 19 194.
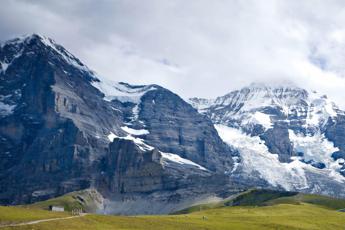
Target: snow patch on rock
pixel 6 109
pixel 138 141
pixel 135 132
pixel 112 136
pixel 177 159
pixel 4 66
pixel 260 119
pixel 167 157
pixel 121 91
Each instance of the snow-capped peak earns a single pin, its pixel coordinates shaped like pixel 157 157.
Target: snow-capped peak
pixel 271 99
pixel 14 48
pixel 254 96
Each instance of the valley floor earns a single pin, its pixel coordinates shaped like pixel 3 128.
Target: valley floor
pixel 281 216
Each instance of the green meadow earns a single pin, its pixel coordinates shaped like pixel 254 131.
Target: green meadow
pixel 275 210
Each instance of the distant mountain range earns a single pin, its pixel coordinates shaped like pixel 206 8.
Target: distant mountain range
pixel 291 138
pixel 63 128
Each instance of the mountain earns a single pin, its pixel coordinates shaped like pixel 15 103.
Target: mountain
pixel 287 137
pixel 144 150
pixel 64 128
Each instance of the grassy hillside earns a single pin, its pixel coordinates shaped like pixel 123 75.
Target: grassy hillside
pixel 253 209
pixel 87 200
pixel 263 197
pixel 327 202
pixel 282 216
pixel 257 197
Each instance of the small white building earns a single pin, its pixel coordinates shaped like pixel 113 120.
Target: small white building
pixel 56 208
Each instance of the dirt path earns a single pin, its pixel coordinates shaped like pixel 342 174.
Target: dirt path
pixel 41 221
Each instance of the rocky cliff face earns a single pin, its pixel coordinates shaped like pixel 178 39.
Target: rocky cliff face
pixel 172 129
pixel 63 128
pixel 151 181
pixel 287 136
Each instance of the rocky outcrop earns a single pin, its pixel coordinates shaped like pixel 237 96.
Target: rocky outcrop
pixel 143 182
pixel 129 169
pixel 278 142
pixel 176 127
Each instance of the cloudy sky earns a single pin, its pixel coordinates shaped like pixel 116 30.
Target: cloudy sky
pixel 195 48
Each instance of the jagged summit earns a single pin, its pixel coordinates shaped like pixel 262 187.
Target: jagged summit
pixel 24 39
pixel 253 96
pixel 34 40
pixel 258 96
pixel 34 44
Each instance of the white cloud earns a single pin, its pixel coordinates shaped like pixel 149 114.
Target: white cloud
pixel 195 48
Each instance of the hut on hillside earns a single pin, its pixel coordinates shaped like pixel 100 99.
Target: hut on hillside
pixel 54 208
